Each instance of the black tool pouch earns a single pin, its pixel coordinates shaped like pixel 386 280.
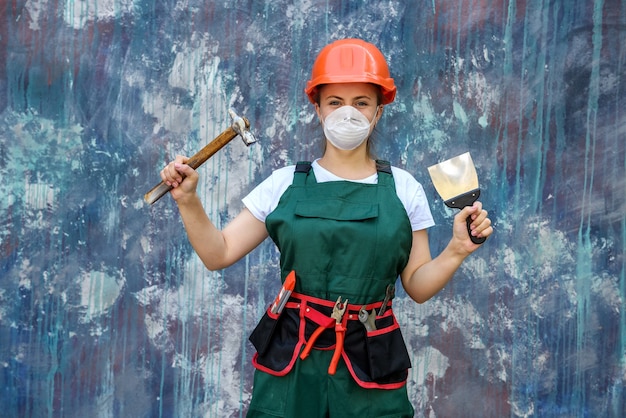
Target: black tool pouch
pixel 386 350
pixel 275 339
pixel 262 334
pixel 381 359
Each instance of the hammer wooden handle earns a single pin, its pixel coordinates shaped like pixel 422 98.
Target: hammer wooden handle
pixel 195 161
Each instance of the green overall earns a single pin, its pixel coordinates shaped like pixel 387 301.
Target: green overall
pixel 343 239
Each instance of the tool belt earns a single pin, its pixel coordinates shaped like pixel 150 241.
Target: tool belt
pixel 376 359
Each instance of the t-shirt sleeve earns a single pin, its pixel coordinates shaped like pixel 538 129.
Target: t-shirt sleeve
pixel 412 195
pixel 264 198
pixel 419 210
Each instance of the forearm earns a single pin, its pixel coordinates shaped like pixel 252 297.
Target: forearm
pixel 424 277
pixel 205 238
pixel 216 248
pixel 433 276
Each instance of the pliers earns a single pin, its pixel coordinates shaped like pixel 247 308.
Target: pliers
pixel 338 310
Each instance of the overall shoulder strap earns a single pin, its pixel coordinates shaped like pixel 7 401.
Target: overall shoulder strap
pixel 383 166
pixel 385 176
pixel 303 168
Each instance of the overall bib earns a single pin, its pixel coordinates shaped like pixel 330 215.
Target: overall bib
pixel 343 239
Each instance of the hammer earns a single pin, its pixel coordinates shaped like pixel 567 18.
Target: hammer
pixel 240 126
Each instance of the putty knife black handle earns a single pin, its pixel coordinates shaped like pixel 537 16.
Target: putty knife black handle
pixel 459 202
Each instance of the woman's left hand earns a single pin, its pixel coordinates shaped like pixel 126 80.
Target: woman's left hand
pixel 480 225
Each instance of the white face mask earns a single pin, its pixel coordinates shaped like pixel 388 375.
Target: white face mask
pixel 347 128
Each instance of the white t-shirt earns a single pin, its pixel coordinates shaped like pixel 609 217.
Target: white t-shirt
pixel 263 199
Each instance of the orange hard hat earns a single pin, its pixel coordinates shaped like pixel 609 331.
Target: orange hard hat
pixel 351 61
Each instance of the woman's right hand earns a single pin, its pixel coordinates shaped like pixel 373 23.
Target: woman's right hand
pixel 182 178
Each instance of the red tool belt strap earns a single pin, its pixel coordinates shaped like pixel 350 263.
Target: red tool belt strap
pixel 376 359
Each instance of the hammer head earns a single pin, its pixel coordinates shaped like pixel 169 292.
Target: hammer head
pixel 242 127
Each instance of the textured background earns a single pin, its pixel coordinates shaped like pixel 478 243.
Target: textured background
pixel 105 311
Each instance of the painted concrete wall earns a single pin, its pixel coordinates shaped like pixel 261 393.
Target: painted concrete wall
pixel 105 311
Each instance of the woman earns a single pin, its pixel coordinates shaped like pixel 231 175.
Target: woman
pixel 348 226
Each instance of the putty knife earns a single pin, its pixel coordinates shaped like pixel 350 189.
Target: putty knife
pixel 457 183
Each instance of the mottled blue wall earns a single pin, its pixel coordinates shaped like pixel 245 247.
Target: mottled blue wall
pixel 105 311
